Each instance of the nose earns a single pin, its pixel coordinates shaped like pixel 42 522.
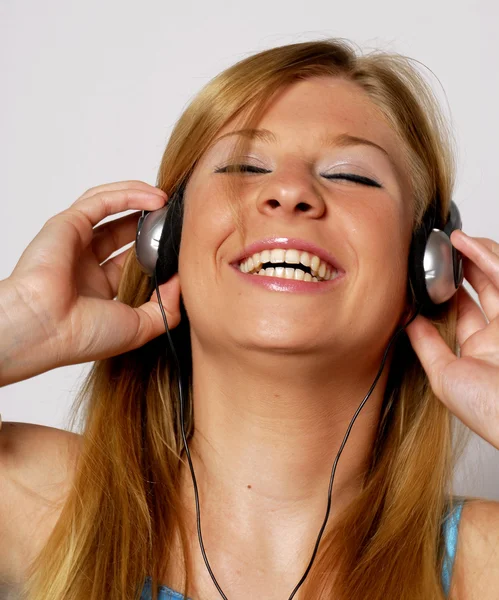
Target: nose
pixel 290 193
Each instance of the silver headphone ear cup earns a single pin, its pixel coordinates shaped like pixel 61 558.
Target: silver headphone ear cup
pixel 147 240
pixel 438 265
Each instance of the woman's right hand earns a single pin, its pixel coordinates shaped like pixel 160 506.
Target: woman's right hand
pixel 57 307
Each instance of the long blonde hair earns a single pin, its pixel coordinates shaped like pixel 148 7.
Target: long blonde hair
pixel 118 523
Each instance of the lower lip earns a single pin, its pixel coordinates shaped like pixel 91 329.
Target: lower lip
pixel 279 284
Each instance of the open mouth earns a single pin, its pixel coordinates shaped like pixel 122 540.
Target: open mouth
pixel 288 264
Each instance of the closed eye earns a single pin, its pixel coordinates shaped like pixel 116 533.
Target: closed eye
pixel 241 169
pixel 258 170
pixel 354 178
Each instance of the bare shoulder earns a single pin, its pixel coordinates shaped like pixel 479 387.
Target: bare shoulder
pixel 27 445
pixel 37 466
pixel 476 568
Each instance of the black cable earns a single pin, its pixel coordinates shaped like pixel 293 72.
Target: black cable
pixel 333 471
pixel 196 495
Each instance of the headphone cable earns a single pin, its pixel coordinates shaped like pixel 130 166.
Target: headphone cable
pixel 333 471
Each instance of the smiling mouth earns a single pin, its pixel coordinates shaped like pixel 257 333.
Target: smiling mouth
pixel 288 264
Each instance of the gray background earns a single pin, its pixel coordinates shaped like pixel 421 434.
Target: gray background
pixel 92 89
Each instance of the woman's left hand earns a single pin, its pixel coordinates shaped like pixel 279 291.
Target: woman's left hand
pixel 468 385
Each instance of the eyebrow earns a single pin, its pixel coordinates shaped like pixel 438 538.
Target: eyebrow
pixel 343 140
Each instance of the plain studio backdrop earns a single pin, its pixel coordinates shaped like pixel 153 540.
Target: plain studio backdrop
pixel 91 91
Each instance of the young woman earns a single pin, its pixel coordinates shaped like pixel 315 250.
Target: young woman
pixel 310 154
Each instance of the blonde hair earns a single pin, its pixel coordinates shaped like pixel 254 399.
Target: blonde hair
pixel 118 524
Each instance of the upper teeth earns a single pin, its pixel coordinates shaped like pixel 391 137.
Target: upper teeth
pixel 321 271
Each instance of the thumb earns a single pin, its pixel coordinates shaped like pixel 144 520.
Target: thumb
pixel 151 323
pixel 432 350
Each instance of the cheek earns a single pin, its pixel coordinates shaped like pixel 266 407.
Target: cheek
pixel 207 222
pixel 383 240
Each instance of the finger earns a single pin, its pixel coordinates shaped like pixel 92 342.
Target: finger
pixel 431 349
pixel 79 220
pixel 481 269
pixel 120 185
pixel 113 235
pixel 111 202
pixel 151 322
pixel 488 294
pixel 64 237
pixel 126 328
pixel 470 317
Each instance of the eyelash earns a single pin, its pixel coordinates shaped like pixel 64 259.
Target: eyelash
pixel 347 176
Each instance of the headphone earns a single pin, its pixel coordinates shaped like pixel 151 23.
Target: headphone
pixel 435 273
pixel 435 266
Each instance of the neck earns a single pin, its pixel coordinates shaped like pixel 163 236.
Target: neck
pixel 264 446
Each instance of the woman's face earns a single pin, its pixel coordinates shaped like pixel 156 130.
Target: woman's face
pixel 298 194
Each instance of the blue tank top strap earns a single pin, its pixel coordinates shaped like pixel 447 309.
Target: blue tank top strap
pixel 164 592
pixel 450 528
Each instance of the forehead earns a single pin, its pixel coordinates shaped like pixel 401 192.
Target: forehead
pixel 324 106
